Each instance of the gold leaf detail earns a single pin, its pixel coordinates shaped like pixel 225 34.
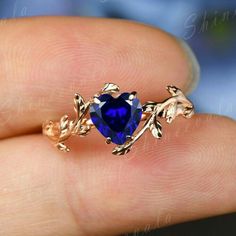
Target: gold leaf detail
pixel 156 128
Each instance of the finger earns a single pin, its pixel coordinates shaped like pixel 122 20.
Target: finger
pixel 44 61
pixel 189 174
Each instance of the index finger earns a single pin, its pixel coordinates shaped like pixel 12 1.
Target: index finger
pixel 44 61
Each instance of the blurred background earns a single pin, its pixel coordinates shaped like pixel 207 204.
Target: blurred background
pixel 210 29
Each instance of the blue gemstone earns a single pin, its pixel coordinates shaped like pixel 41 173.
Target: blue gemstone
pixel 116 118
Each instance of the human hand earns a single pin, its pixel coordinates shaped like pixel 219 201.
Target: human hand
pixel 189 174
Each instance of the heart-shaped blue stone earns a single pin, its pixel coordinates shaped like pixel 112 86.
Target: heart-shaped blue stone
pixel 116 118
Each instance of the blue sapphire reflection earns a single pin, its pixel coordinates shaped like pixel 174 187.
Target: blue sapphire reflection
pixel 116 118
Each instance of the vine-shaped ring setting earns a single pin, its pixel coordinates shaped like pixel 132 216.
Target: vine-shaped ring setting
pixel 117 116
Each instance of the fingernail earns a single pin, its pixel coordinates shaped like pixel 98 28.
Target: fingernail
pixel 194 67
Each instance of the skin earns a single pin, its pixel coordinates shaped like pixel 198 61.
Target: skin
pixel 188 175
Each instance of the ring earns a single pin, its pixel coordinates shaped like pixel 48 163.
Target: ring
pixel 117 116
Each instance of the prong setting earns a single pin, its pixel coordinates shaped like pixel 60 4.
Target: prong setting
pixel 96 100
pixel 129 138
pixel 132 96
pixel 108 140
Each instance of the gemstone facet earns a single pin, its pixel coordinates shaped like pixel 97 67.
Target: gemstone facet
pixel 116 118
